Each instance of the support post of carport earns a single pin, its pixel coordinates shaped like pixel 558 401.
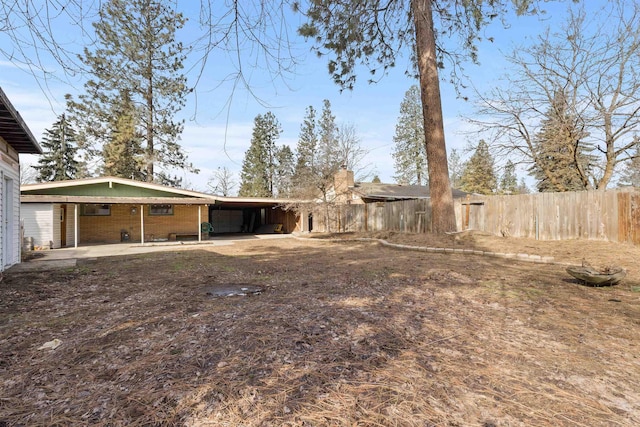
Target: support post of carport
pixel 76 225
pixel 199 223
pixel 142 224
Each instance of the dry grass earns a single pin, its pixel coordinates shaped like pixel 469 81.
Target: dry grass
pixel 345 334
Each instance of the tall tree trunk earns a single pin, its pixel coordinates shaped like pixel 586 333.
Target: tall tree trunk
pixel 443 215
pixel 150 123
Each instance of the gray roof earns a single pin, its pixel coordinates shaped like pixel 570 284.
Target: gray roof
pixel 14 130
pixel 379 191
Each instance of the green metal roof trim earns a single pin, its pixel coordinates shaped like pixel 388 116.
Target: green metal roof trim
pixel 103 189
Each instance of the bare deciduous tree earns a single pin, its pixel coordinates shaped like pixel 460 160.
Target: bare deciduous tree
pixel 222 182
pixel 594 60
pixel 352 152
pixel 28 175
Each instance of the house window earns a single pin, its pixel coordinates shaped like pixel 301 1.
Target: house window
pixel 93 209
pixel 160 209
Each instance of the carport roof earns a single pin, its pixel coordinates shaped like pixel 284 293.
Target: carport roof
pixel 54 198
pixel 14 130
pixel 107 186
pixel 115 190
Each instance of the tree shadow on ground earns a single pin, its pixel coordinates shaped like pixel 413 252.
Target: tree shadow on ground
pixel 343 334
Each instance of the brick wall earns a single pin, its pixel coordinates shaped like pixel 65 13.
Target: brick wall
pixel 107 229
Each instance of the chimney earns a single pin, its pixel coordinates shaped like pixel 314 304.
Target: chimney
pixel 343 182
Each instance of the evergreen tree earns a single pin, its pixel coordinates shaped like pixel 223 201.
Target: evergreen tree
pixel 284 172
pixel 306 150
pixel 630 174
pixel 522 187
pixel 259 165
pixel 165 178
pixel 456 167
pixel 58 161
pixel 122 154
pixel 410 154
pixel 328 158
pixel 562 162
pixel 373 33
pixel 322 149
pixel 479 174
pixel 509 180
pixel 137 52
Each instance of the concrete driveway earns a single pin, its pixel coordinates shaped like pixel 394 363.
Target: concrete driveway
pixel 68 257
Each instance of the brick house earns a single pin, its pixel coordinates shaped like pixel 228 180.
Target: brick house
pixel 110 210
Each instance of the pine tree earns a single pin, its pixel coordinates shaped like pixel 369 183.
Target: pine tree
pixel 373 33
pixel 137 52
pixel 456 167
pixel 562 160
pixel 328 158
pixel 630 174
pixel 284 172
pixel 306 151
pixel 259 165
pixel 479 175
pixel 58 161
pixel 410 154
pixel 509 180
pixel 522 187
pixel 322 149
pixel 123 154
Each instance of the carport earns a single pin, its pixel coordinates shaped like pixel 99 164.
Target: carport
pixel 111 210
pixel 251 215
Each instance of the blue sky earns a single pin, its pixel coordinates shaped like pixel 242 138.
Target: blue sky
pixel 218 133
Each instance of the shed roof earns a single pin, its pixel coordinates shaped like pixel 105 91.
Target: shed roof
pixel 380 191
pixel 14 130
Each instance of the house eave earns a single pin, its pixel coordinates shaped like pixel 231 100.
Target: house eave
pixel 14 130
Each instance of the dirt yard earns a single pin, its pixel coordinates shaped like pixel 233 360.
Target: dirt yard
pixel 347 333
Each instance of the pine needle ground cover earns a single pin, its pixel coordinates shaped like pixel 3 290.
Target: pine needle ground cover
pixel 344 333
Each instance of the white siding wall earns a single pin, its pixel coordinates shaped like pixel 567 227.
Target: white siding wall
pixel 38 223
pixel 71 224
pixel 55 227
pixel 9 174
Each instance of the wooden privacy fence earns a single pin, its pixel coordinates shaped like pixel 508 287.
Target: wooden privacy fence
pixel 604 215
pixel 408 216
pixel 612 215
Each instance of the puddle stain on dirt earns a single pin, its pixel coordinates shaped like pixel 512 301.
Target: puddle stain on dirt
pixel 232 290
